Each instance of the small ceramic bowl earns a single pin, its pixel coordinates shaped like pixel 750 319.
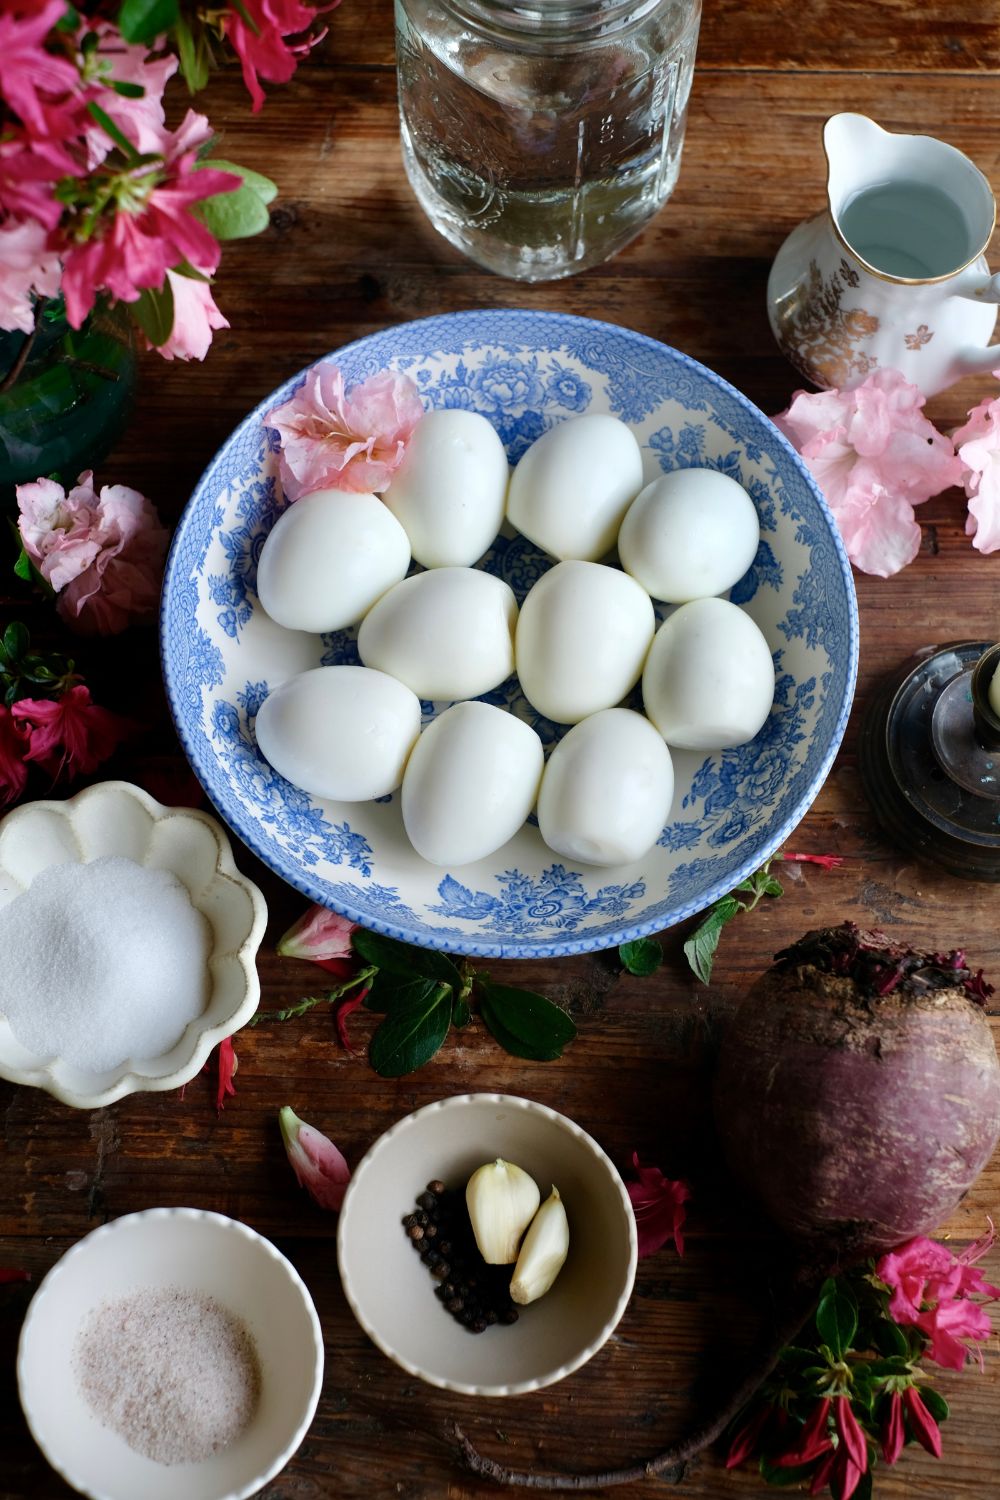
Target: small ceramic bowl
pixel 185 1249
pixel 391 1292
pixel 115 818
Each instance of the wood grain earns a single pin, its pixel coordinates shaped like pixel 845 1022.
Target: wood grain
pixel 348 252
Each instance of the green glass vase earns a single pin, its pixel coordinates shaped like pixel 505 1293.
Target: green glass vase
pixel 64 400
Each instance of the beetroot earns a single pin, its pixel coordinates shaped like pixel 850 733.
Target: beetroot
pixel 858 1091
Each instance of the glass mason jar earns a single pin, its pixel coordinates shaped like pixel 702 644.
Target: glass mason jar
pixel 540 137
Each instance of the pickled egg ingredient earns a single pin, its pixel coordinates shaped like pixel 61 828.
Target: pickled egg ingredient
pixel 582 638
pixel 709 679
pixel 447 633
pixel 470 783
pixel 606 791
pixel 450 490
pixel 572 487
pixel 328 558
pixel 543 1252
pixel 502 1201
pixel 689 535
pixel 339 732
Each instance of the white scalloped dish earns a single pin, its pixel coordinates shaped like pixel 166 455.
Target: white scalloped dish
pixel 115 818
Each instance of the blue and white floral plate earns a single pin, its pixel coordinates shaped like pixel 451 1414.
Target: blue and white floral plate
pixel 525 371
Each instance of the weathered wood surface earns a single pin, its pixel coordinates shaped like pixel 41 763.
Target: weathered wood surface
pixel 348 252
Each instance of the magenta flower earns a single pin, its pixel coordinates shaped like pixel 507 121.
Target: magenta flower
pixel 13 747
pixel 921 1423
pixel 345 440
pixel 978 444
pixel 315 1160
pixel 659 1210
pixel 102 554
pixel 27 269
pixel 31 79
pixel 744 1440
pixel 875 456
pixel 845 1476
pixel 258 31
pixel 812 1440
pixel 931 1290
pixel 28 174
pixel 69 735
pixel 196 317
pixel 851 1437
pixel 227 1063
pixel 153 227
pixel 318 935
pixel 893 1429
pixel 113 61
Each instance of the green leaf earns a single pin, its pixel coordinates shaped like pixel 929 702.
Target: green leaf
pixel 889 1338
pixel 389 993
pixel 701 946
pixel 15 640
pixel 193 55
pixel 511 1043
pixel 863 1491
pixel 70 19
pixel 111 130
pixel 23 566
pixel 403 958
pixel 533 1020
pixel 641 957
pixel 837 1321
pixel 145 20
pixel 154 313
pixel 784 1479
pixel 461 1015
pixel 879 1369
pixel 411 1035
pixel 934 1402
pixel 127 90
pixel 243 212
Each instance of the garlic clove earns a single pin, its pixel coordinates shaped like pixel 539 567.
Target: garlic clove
pixel 502 1201
pixel 545 1248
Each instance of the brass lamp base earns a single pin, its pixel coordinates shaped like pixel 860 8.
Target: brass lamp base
pixel 929 753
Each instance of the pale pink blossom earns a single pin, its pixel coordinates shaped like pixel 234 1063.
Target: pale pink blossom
pixel 658 1205
pixel 931 1290
pixel 135 248
pixel 30 77
pixel 195 318
pixel 102 554
pixel 344 440
pixel 875 456
pixel 318 935
pixel 258 31
pixel 315 1160
pixel 114 60
pixel 27 269
pixel 978 444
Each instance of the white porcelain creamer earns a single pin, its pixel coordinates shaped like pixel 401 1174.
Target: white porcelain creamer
pixel 893 275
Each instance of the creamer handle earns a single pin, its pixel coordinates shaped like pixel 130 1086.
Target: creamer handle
pixel 977 286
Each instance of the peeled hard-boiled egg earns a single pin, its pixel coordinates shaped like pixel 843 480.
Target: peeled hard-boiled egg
pixel 571 489
pixel 471 782
pixel 328 558
pixel 709 677
pixel 582 638
pixel 339 732
pixel 447 634
pixel 449 492
pixel 689 535
pixel 606 792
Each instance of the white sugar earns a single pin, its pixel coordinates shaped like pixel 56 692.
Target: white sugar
pixel 172 1372
pixel 101 962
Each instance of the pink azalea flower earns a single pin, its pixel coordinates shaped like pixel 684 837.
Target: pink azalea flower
pixel 27 268
pixel 13 747
pixel 139 246
pixel 893 1429
pixel 30 76
pixel 258 31
pixel 69 735
pixel 978 444
pixel 102 554
pixel 318 935
pixel 28 173
pixel 921 1423
pixel 315 1160
pixel 931 1290
pixel 659 1210
pixel 195 318
pixel 227 1064
pixel 353 440
pixel 875 456
pixel 116 61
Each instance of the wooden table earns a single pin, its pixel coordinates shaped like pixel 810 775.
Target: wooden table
pixel 348 252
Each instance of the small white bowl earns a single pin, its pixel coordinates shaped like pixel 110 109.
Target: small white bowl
pixel 391 1291
pixel 116 818
pixel 193 1251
